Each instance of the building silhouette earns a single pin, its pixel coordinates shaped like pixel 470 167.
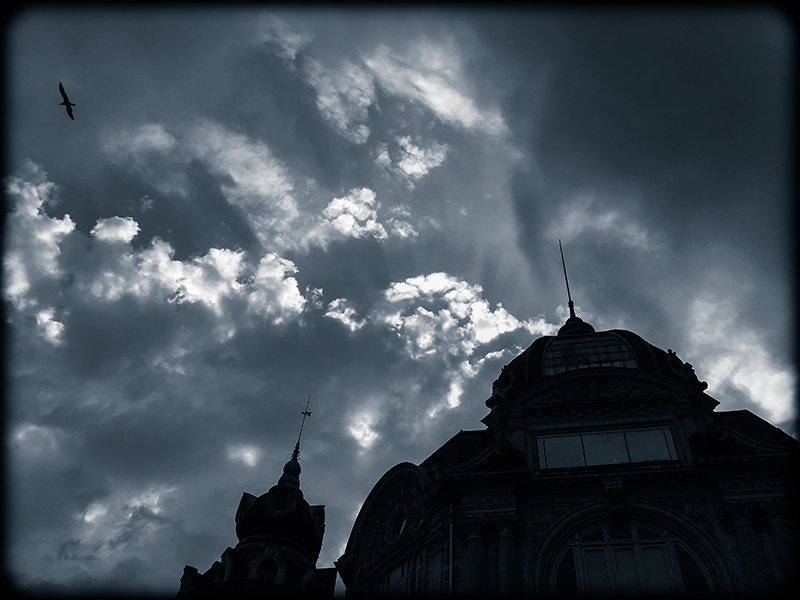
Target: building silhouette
pixel 604 470
pixel 280 537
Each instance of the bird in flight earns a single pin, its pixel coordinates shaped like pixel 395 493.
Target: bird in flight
pixel 66 103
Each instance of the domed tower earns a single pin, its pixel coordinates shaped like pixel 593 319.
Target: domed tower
pixel 280 537
pixel 604 469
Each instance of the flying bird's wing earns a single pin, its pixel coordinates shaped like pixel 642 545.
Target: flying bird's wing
pixel 66 103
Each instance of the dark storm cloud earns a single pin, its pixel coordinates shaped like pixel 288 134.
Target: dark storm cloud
pixel 679 119
pixel 363 207
pixel 688 108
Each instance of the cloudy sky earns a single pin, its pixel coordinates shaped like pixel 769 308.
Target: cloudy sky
pixel 252 207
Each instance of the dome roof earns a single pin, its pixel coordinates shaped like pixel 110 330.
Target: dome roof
pixel 280 514
pixel 578 347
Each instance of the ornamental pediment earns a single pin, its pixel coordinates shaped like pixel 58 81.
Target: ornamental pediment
pixel 491 502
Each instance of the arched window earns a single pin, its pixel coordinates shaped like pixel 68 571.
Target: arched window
pixel 620 560
pixel 267 571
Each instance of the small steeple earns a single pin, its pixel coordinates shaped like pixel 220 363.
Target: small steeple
pixel 574 325
pixel 291 470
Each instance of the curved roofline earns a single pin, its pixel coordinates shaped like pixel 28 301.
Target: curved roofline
pixel 375 493
pixel 527 372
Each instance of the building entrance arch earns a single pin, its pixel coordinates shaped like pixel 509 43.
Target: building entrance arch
pixel 644 552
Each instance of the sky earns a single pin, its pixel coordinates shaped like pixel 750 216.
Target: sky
pixel 255 206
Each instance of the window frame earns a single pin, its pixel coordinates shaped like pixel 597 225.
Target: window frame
pixel 666 430
pixel 667 541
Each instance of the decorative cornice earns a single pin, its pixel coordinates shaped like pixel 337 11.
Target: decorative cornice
pixel 775 511
pixel 738 514
pixel 520 417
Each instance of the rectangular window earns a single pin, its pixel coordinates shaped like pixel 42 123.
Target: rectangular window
pixel 606 448
pixel 650 444
pixel 656 570
pixel 626 572
pixel 564 452
pixel 597 571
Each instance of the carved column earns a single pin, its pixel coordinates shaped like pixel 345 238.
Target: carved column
pixel 776 513
pixel 506 557
pixel 739 516
pixel 475 559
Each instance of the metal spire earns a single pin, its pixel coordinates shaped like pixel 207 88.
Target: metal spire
pixel 305 413
pixel 569 296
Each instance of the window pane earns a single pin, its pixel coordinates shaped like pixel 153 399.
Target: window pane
pixel 542 463
pixel 595 535
pixel 564 452
pixel 566 580
pixel 597 572
pixel 645 533
pixel 627 575
pixel 605 449
pixel 619 532
pixel 692 575
pixel 655 568
pixel 395 575
pixel 647 445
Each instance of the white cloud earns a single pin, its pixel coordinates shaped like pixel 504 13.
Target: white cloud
pixel 341 310
pixel 246 454
pixel 732 354
pixel 410 163
pixel 274 292
pixel 33 441
pixel 381 155
pixel 152 153
pixel 439 317
pixel 253 180
pixel 288 41
pixel 354 215
pixel 343 97
pixel 51 328
pixel 415 161
pixel 430 73
pixel 362 428
pixel 116 229
pixel 262 188
pixel 112 268
pixel 119 526
pixel 33 239
pixel 444 325
pixel 151 137
pixel 251 176
pixel 209 278
pixel 95 512
pixel 398 221
pixel 582 214
pixel 434 75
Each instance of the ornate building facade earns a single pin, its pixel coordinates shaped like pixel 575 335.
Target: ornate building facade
pixel 280 537
pixel 604 470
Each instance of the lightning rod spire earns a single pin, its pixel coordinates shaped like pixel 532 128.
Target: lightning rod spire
pixel 569 296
